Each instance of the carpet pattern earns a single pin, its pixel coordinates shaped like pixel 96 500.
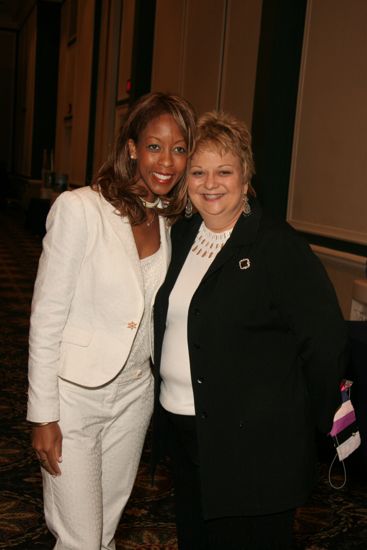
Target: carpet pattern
pixel 331 520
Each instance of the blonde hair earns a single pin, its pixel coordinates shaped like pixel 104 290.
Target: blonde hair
pixel 227 134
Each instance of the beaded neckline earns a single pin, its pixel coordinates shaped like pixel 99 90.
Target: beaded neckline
pixel 208 243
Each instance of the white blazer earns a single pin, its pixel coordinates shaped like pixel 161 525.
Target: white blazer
pixel 88 298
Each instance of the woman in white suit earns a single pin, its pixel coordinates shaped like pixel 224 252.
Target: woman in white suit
pixel 104 256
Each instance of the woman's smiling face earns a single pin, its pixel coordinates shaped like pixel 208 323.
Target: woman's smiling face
pixel 161 155
pixel 216 187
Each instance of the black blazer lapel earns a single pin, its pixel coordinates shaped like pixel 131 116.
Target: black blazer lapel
pixel 183 237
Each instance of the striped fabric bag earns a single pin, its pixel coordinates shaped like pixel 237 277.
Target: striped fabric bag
pixel 344 432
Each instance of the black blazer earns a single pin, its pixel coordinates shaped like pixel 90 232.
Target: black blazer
pixel 266 347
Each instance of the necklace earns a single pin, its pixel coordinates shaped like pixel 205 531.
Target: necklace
pixel 149 223
pixel 148 204
pixel 208 243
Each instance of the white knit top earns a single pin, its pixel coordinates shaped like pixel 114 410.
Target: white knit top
pixel 176 393
pixel 151 268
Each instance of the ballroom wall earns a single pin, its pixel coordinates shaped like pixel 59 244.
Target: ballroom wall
pixel 292 70
pixel 327 197
pixel 207 51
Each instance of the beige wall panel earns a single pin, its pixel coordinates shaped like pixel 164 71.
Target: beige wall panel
pixel 126 47
pixel 107 81
pixel 207 51
pixel 204 40
pixel 102 82
pixel 328 191
pixel 343 269
pixel 168 46
pixel 82 88
pixel 62 160
pixel 120 114
pixel 66 105
pixel 240 58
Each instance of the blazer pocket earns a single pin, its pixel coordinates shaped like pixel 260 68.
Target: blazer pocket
pixel 77 336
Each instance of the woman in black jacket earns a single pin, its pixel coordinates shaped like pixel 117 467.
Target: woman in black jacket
pixel 249 353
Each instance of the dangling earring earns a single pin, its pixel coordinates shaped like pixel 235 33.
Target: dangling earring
pixel 246 209
pixel 188 208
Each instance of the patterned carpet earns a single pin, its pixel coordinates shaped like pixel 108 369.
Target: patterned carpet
pixel 332 519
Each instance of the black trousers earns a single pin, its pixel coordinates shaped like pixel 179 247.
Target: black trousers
pixel 267 532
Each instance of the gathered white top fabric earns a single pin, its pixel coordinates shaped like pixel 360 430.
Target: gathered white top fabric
pixel 151 268
pixel 176 394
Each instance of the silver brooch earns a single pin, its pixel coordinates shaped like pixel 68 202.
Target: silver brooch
pixel 244 263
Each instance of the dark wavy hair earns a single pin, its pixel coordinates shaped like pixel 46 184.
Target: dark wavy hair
pixel 117 179
pixel 227 134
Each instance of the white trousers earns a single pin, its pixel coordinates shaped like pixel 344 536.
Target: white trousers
pixel 103 434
